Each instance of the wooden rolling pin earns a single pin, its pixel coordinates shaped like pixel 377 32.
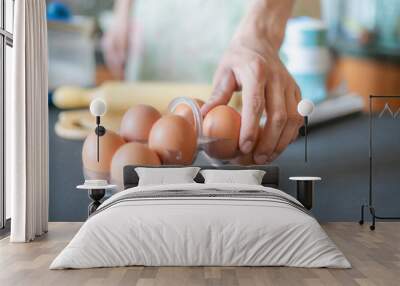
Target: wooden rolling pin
pixel 120 96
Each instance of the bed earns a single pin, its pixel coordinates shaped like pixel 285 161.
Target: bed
pixel 198 224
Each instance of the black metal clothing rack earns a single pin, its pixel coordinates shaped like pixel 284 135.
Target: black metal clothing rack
pixel 370 205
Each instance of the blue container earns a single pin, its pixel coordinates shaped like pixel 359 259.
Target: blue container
pixel 58 11
pixel 306 56
pixel 312 86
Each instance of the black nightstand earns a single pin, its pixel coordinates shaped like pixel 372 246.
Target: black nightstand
pixel 96 190
pixel 305 189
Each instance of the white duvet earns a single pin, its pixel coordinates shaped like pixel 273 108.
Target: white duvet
pixel 185 231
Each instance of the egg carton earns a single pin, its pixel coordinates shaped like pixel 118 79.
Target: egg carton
pixel 209 148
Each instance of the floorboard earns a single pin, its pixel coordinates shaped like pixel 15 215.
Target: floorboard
pixel 375 257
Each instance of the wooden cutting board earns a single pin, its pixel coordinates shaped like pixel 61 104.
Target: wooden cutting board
pixel 77 124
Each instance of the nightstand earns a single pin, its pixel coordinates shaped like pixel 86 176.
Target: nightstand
pixel 305 189
pixel 96 190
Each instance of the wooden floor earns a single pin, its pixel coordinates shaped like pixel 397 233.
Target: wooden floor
pixel 375 257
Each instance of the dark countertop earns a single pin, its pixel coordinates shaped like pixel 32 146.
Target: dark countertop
pixel 338 152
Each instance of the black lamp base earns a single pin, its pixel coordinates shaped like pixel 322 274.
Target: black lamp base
pixel 96 195
pixel 305 190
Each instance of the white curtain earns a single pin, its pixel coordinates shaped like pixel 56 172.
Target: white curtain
pixel 27 124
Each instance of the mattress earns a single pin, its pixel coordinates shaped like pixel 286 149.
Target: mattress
pixel 201 225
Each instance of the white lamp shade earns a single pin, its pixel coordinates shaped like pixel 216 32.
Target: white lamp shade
pixel 98 107
pixel 305 107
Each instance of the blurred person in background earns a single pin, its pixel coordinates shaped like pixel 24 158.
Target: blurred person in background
pixel 234 43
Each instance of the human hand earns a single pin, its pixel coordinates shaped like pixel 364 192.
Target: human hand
pixel 115 42
pixel 252 65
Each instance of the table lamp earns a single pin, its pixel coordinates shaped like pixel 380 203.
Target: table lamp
pixel 98 108
pixel 305 108
pixel 97 188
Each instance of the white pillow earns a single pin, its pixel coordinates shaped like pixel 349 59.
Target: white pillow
pixel 248 177
pixel 163 176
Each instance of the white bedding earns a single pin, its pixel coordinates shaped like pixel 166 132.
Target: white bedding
pixel 183 231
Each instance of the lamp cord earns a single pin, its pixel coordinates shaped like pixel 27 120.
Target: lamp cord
pixel 305 138
pixel 98 137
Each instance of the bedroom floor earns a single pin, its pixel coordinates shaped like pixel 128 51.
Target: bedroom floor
pixel 375 257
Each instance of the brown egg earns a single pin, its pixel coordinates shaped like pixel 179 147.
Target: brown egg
pixel 137 122
pixel 185 111
pixel 248 159
pixel 174 140
pixel 222 123
pixel 108 145
pixel 132 153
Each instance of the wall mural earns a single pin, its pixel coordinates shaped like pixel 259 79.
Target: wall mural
pixel 164 75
